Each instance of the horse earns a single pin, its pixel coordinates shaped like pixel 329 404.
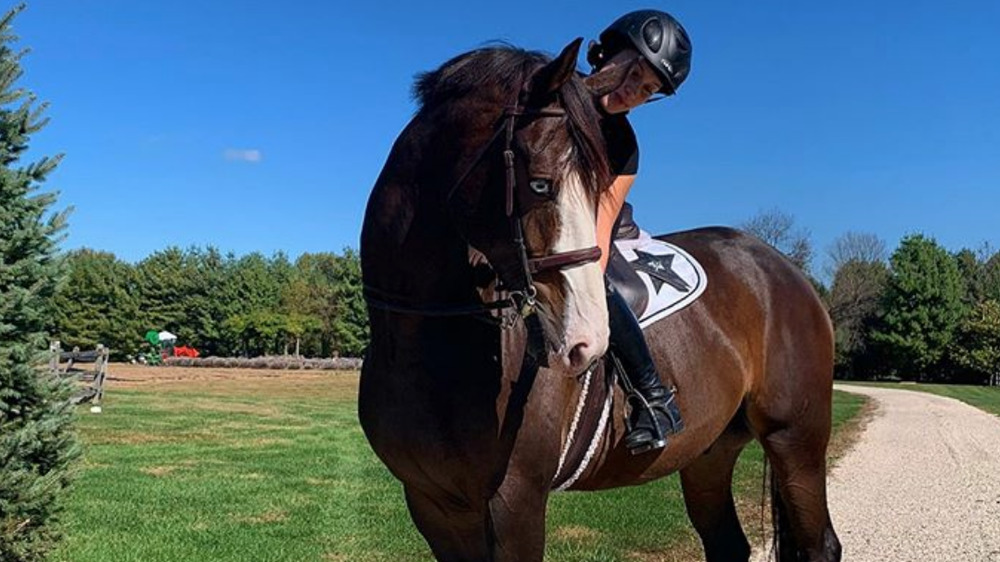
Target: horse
pixel 486 307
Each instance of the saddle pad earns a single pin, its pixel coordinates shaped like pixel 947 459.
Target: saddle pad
pixel 671 277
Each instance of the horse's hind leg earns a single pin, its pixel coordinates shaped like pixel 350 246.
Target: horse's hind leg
pixel 708 495
pixel 802 519
pixel 795 436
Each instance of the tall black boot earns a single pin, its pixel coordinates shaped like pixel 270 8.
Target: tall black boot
pixel 654 414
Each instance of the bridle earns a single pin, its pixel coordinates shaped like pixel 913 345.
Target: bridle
pixel 521 296
pixel 529 266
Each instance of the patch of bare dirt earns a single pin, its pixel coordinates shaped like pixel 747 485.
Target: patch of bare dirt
pixel 233 382
pixel 685 551
pixel 575 533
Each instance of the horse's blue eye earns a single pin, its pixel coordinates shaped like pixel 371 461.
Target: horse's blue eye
pixel 540 186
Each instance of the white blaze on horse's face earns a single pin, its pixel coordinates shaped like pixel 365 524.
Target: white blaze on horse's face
pixel 585 312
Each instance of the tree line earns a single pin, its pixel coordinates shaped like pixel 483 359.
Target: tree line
pixel 223 305
pixel 925 314
pixel 921 313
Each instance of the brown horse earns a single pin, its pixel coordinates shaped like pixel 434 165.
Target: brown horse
pixel 470 384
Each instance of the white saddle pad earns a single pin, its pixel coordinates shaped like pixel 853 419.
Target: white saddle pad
pixel 673 278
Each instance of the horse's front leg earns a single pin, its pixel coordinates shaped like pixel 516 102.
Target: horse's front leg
pixel 517 520
pixel 455 530
pixel 510 527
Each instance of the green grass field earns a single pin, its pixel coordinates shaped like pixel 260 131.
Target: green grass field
pixel 267 469
pixel 983 397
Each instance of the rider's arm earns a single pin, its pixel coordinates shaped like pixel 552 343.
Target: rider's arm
pixel 608 207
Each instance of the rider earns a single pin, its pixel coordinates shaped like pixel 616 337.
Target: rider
pixel 658 51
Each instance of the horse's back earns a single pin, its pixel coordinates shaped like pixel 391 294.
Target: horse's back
pixel 739 265
pixel 743 256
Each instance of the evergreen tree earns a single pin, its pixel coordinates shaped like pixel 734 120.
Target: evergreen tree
pixel 312 293
pixel 37 444
pixel 223 302
pixel 972 272
pixel 202 304
pixel 162 288
pixel 256 285
pixel 351 325
pixel 991 278
pixel 299 300
pixel 254 288
pixel 923 307
pixel 97 304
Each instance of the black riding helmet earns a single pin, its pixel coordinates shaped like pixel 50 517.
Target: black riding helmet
pixel 657 36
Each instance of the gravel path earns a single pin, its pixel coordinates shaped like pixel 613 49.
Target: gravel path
pixel 922 483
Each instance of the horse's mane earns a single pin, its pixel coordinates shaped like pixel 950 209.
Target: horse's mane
pixel 501 70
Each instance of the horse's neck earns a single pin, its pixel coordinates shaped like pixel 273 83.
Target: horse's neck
pixel 409 247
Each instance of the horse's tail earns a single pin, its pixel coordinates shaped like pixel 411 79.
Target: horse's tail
pixel 781 537
pixel 763 505
pixel 779 517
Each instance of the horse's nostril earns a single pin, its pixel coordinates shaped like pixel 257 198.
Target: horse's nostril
pixel 581 356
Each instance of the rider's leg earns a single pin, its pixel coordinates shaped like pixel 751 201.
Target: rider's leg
pixel 654 414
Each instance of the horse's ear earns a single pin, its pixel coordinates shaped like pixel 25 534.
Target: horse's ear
pixel 605 82
pixel 560 70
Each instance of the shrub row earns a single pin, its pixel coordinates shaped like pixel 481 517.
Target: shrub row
pixel 268 362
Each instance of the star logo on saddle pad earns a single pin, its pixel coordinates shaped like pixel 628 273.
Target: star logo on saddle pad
pixel 660 271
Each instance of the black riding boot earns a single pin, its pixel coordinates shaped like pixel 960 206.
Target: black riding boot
pixel 654 414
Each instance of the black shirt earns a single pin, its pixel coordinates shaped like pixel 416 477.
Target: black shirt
pixel 622 146
pixel 623 156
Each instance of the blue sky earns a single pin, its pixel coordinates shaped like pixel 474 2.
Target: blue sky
pixel 257 125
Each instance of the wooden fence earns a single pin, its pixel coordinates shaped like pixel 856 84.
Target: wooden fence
pixel 92 387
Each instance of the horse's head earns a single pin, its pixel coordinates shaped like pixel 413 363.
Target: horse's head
pixel 532 168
